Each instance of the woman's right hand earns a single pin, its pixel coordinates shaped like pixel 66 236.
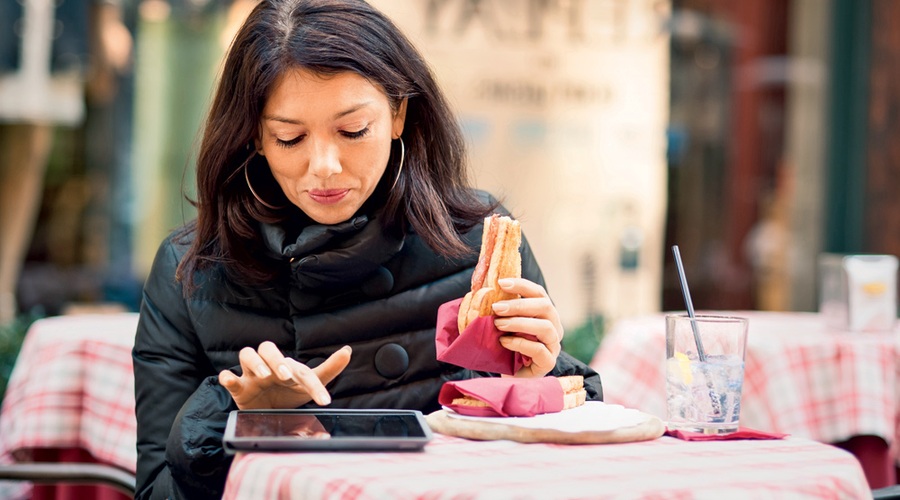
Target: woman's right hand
pixel 272 381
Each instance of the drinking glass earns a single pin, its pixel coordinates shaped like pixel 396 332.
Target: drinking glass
pixel 705 372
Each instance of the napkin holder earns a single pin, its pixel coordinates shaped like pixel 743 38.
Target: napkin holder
pixel 858 292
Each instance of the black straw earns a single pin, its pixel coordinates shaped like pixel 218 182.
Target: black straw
pixel 687 301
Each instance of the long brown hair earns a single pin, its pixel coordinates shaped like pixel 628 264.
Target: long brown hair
pixel 325 36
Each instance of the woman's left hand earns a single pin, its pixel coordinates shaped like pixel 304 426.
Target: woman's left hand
pixel 532 314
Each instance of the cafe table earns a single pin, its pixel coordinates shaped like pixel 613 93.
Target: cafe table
pixel 451 467
pixel 801 377
pixel 70 398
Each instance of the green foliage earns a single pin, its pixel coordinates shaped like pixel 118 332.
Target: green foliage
pixel 11 336
pixel 582 342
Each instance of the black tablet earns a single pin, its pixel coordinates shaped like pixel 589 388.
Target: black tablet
pixel 325 430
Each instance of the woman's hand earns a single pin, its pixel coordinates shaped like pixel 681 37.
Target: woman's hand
pixel 532 314
pixel 272 381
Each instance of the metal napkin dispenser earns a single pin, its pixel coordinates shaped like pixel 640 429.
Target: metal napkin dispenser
pixel 858 292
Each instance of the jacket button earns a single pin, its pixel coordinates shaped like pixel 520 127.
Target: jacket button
pixel 391 360
pixel 379 283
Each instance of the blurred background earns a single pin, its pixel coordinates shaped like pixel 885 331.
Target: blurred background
pixel 754 135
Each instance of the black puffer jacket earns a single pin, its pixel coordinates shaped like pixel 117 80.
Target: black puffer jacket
pixel 349 284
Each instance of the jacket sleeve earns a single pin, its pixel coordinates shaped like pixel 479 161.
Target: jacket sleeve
pixel 180 408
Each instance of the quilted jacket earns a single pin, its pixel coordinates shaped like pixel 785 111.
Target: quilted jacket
pixel 347 284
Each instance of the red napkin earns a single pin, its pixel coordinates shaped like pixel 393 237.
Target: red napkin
pixel 741 433
pixel 506 397
pixel 477 347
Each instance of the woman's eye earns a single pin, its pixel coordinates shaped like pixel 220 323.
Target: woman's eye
pixel 290 142
pixel 355 135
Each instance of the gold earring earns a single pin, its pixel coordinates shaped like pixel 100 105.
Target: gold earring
pixel 253 191
pixel 400 169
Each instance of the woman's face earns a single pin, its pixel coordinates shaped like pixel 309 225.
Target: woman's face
pixel 327 139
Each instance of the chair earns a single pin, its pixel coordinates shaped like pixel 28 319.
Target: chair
pixel 887 493
pixel 72 473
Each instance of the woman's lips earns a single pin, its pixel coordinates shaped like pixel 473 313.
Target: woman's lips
pixel 328 196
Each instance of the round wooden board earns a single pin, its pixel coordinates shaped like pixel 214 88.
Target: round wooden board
pixel 441 422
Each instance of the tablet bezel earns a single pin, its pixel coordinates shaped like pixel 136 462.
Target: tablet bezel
pixel 234 444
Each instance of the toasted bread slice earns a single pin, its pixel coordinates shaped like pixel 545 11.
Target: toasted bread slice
pixel 573 391
pixel 499 258
pixel 571 383
pixel 470 401
pixel 506 261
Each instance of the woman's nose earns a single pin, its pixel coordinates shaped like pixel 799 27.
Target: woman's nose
pixel 325 160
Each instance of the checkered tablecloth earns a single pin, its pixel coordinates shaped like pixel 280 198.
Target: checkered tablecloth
pixel 458 468
pixel 801 377
pixel 73 387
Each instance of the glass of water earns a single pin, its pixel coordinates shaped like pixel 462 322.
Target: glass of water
pixel 705 372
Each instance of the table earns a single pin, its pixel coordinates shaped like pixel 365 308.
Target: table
pixel 71 398
pixel 801 378
pixel 452 467
pixel 71 393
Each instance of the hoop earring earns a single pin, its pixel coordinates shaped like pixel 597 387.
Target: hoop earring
pixel 253 191
pixel 402 157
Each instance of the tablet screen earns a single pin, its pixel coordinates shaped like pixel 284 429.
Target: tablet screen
pixel 326 429
pixel 327 425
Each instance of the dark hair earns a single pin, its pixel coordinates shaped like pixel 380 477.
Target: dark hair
pixel 324 36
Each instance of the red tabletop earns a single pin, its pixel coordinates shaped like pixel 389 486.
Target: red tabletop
pixel 451 467
pixel 71 393
pixel 801 378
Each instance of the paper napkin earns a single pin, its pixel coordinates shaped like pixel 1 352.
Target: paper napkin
pixel 741 433
pixel 505 397
pixel 477 347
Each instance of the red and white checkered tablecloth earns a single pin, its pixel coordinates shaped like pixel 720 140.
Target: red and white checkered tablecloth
pixel 459 468
pixel 73 387
pixel 801 377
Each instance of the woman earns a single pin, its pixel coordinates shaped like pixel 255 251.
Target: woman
pixel 333 220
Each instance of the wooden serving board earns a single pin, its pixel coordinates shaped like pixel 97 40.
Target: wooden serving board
pixel 441 422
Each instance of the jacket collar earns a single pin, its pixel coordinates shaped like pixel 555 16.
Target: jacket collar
pixel 325 256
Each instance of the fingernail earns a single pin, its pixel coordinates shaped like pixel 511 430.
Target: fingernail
pixel 500 307
pixel 347 348
pixel 505 282
pixel 501 323
pixel 284 371
pixel 323 397
pixel 263 370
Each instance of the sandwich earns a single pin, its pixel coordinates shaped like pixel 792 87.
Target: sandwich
pixel 499 258
pixel 574 394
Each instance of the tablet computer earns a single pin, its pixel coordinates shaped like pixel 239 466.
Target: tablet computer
pixel 322 429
